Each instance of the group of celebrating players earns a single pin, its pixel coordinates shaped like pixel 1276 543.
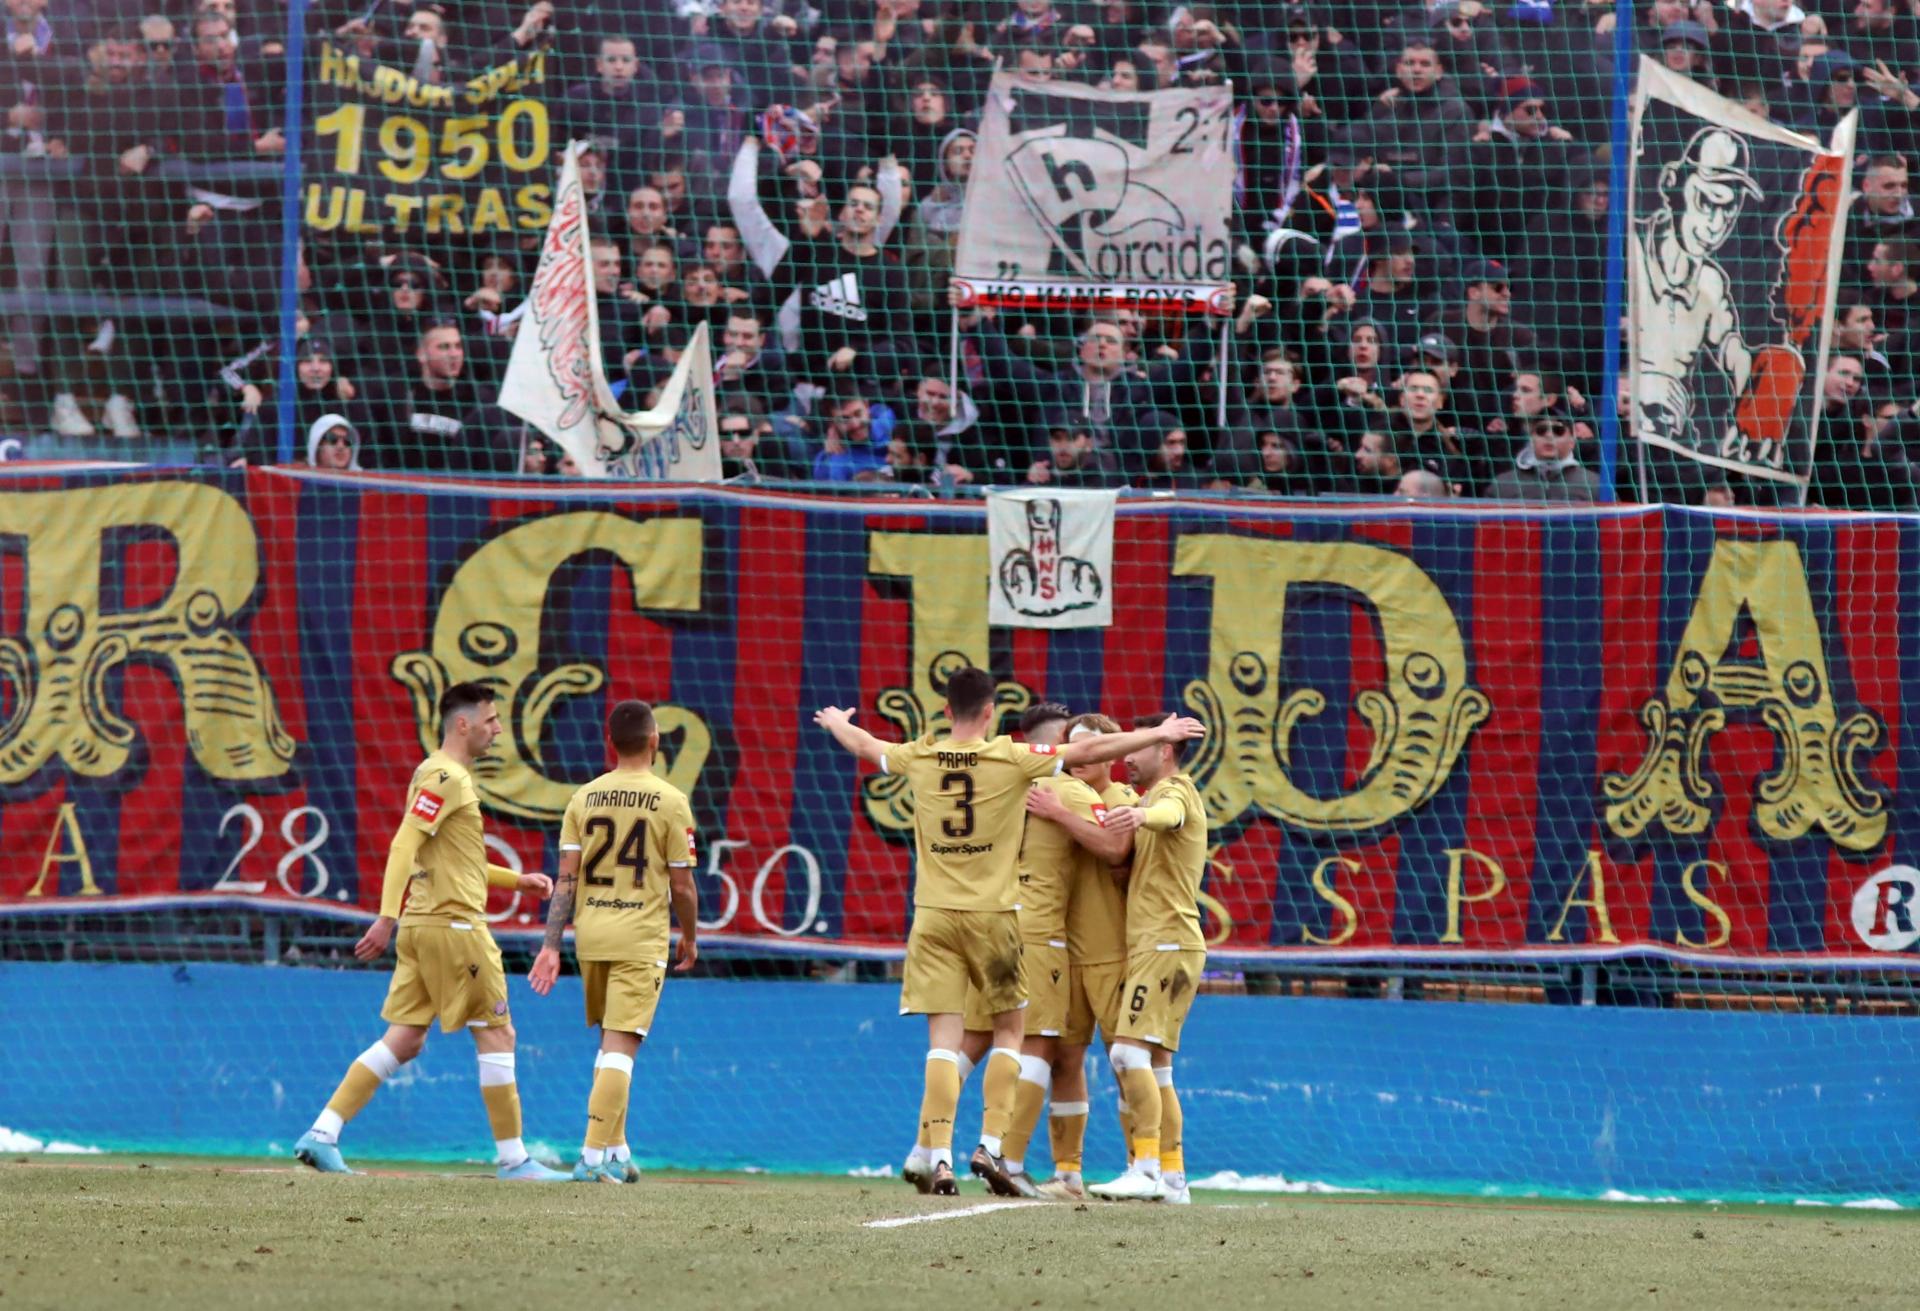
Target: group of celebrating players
pixel 1049 901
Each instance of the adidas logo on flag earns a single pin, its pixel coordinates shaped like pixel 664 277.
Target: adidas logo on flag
pixel 840 297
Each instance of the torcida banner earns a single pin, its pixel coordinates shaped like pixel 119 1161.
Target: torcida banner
pixel 1498 732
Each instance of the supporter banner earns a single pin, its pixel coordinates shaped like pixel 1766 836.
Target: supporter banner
pixel 556 382
pixel 1052 555
pixel 1733 263
pixel 1081 197
pixel 391 155
pixel 1491 732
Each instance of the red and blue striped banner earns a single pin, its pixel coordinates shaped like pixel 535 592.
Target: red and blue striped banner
pixel 1446 733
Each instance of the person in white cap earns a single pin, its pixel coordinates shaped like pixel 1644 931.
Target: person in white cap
pixel 332 443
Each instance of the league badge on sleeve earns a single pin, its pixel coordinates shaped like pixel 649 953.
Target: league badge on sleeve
pixel 427 807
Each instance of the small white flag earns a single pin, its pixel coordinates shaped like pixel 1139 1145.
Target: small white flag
pixel 1051 554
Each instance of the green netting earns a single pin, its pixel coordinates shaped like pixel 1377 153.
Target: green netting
pixel 1418 194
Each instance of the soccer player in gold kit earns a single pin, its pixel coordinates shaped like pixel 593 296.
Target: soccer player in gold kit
pixel 1165 955
pixel 969 815
pixel 1096 952
pixel 448 965
pixel 628 839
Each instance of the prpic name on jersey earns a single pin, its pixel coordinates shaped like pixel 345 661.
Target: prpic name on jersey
pixel 958 759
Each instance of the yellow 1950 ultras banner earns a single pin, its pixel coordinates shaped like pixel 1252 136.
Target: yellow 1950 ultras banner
pixel 389 154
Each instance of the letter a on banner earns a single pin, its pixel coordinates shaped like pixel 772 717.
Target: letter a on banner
pixel 555 380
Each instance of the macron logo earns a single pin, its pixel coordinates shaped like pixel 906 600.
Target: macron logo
pixel 840 298
pixel 428 806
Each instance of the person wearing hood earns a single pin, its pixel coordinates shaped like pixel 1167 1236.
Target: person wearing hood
pixel 1831 92
pixel 1071 459
pixel 1546 468
pixel 934 232
pixel 333 444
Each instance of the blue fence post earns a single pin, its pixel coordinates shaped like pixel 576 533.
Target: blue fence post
pixel 290 220
pixel 1623 80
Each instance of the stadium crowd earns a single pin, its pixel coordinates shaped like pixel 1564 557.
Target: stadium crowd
pixel 1421 199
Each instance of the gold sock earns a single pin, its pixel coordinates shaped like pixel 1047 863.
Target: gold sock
pixel 1143 1102
pixel 997 1091
pixel 1126 1129
pixel 1029 1099
pixel 1172 1155
pixel 940 1101
pixel 1068 1133
pixel 606 1106
pixel 503 1110
pixel 354 1092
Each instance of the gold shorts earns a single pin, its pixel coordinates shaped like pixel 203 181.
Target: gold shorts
pixel 1158 994
pixel 1093 1001
pixel 452 971
pixel 622 994
pixel 1046 969
pixel 952 950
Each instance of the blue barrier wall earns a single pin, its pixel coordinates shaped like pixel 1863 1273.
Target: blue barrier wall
pixel 236 1059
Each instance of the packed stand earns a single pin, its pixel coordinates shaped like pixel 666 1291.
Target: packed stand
pixel 1421 196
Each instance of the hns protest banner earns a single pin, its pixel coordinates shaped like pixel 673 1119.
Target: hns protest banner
pixel 391 154
pixel 1500 733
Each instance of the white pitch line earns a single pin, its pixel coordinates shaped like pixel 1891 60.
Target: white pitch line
pixel 931 1216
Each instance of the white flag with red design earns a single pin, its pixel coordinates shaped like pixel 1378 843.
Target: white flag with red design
pixel 555 380
pixel 1051 553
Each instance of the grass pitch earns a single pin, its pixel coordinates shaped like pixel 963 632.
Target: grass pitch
pixel 167 1232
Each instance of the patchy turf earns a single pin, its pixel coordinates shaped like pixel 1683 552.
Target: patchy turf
pixel 167 1232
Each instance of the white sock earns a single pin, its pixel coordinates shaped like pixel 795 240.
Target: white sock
pixel 1016 1166
pixel 509 1151
pixel 327 1126
pixel 619 1152
pixel 1175 1179
pixel 920 1155
pixel 496 1068
pixel 380 1059
pixel 943 1156
pixel 593 1155
pixel 991 1141
pixel 966 1064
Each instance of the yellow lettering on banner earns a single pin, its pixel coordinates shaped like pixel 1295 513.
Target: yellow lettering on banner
pixel 947 575
pixel 488 629
pixel 1419 723
pixel 405 210
pixel 1323 887
pixel 66 824
pixel 59 679
pixel 334 69
pixel 1703 898
pixel 1457 895
pixel 535 202
pixel 1597 903
pixel 443 214
pixel 331 218
pixel 490 212
pixel 357 214
pixel 1821 779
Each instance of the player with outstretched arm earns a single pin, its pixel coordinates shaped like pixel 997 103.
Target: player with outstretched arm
pixel 969 814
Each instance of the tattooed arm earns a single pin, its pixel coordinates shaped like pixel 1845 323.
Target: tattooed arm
pixel 546 965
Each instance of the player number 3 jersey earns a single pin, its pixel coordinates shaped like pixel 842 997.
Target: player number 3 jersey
pixel 969 811
pixel 630 827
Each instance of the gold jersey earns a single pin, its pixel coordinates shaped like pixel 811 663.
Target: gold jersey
pixel 451 881
pixel 1049 860
pixel 630 827
pixel 1164 891
pixel 969 809
pixel 1097 905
